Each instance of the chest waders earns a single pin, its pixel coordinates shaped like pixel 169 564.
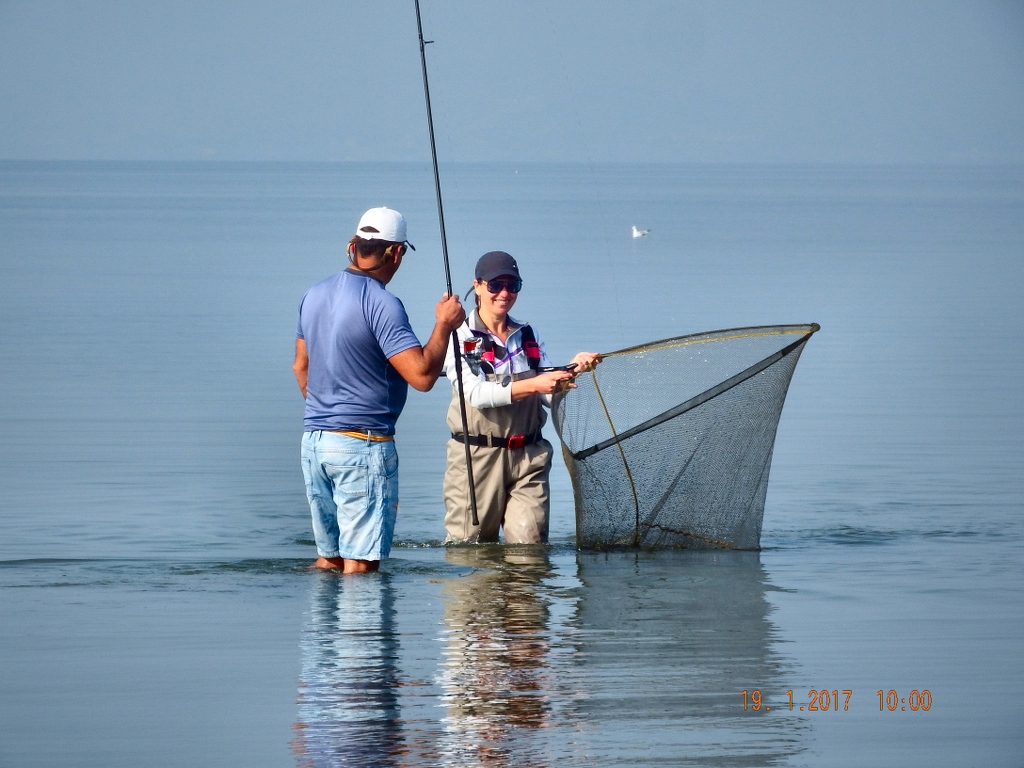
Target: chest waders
pixel 511 459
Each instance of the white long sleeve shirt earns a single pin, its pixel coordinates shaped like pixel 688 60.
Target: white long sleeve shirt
pixel 479 390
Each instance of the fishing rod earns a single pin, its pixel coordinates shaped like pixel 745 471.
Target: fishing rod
pixel 447 268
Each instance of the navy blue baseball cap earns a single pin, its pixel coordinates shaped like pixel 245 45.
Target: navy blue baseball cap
pixel 495 264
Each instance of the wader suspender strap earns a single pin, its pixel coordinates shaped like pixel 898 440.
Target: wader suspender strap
pixel 531 347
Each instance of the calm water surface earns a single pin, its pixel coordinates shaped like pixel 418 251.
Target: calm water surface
pixel 155 606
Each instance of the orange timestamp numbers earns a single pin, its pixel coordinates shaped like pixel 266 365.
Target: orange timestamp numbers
pixel 818 701
pixel 918 701
pixel 825 700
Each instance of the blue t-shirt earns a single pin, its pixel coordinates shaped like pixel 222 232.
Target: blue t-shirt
pixel 352 325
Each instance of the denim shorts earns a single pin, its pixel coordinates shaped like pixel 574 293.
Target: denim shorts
pixel 352 487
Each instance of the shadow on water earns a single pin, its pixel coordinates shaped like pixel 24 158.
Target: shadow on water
pixel 348 703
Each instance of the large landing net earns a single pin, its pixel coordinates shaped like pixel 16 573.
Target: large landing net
pixel 669 444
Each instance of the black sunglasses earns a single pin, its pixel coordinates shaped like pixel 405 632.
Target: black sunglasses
pixel 514 285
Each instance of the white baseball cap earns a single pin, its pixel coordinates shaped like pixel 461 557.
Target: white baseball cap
pixel 383 224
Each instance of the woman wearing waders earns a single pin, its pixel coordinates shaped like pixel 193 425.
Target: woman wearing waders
pixel 507 380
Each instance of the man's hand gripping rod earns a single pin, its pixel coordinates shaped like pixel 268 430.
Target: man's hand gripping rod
pixel 447 268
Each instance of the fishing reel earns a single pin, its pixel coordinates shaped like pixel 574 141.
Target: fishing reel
pixel 472 348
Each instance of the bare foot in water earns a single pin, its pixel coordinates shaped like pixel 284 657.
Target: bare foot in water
pixel 361 566
pixel 345 565
pixel 329 563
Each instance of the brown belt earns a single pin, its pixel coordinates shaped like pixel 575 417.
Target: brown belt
pixel 362 435
pixel 490 441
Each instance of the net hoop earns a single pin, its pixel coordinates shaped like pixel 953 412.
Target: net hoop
pixel 749 332
pixel 699 475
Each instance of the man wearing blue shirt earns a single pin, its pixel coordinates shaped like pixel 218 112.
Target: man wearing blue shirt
pixel 355 355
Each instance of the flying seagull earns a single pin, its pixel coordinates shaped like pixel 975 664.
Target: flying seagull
pixel 639 232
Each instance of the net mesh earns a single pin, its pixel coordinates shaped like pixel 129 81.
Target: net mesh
pixel 669 444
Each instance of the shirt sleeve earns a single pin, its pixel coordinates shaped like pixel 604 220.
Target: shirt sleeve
pixel 298 321
pixel 479 392
pixel 390 325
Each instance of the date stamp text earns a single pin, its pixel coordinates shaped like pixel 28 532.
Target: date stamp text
pixel 837 700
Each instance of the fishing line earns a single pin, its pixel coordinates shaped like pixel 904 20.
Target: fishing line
pixel 447 268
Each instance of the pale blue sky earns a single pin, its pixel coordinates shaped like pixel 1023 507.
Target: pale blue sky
pixel 644 80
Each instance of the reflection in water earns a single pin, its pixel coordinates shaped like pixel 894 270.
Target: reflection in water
pixel 502 656
pixel 348 690
pixel 670 639
pixel 548 657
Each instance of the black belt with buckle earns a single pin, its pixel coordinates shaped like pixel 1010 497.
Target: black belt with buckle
pixel 489 441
